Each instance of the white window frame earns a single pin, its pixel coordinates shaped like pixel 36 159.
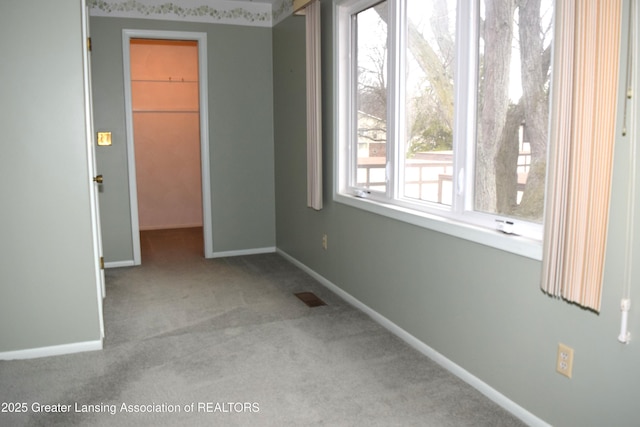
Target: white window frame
pixel 455 220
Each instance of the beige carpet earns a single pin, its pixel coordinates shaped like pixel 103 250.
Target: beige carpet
pixel 225 342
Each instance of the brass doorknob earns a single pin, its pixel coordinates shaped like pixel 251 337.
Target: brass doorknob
pixel 98 179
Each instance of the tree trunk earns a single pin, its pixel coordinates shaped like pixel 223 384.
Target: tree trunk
pixel 507 162
pixel 535 101
pixel 494 99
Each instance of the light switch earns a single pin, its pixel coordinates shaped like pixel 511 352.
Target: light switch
pixel 104 138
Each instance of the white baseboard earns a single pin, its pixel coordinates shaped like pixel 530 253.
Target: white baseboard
pixel 255 251
pixel 484 388
pixel 116 264
pixel 55 350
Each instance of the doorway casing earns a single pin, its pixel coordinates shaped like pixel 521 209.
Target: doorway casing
pixel 201 39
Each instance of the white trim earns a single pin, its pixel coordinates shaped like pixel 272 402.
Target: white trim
pixel 55 350
pixel 201 38
pixel 205 167
pixel 255 251
pixel 484 388
pixel 131 157
pixel 518 245
pixel 117 264
pixel 92 169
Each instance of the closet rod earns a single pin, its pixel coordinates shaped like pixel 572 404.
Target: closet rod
pixel 165 111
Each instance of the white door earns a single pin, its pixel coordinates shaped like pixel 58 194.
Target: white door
pixel 95 178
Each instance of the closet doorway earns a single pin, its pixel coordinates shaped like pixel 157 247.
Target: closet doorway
pixel 167 134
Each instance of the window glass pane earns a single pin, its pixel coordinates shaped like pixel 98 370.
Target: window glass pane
pixel 513 108
pixel 371 97
pixel 428 138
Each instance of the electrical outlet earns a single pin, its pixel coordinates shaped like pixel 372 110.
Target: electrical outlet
pixel 324 242
pixel 564 361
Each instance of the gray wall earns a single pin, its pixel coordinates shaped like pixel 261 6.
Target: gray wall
pixel 48 293
pixel 240 133
pixel 480 307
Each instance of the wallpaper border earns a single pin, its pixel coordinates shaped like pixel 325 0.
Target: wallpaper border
pixel 210 11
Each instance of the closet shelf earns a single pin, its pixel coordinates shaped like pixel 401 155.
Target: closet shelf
pixel 142 110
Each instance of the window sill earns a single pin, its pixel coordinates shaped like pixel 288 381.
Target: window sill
pixel 518 245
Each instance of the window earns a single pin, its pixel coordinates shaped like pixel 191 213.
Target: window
pixel 442 114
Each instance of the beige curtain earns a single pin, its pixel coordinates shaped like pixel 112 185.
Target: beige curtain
pixel 314 107
pixel 581 150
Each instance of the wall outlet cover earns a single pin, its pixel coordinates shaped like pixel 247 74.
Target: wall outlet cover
pixel 564 360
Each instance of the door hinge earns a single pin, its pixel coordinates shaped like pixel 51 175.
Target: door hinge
pixel 89 44
pixel 101 263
